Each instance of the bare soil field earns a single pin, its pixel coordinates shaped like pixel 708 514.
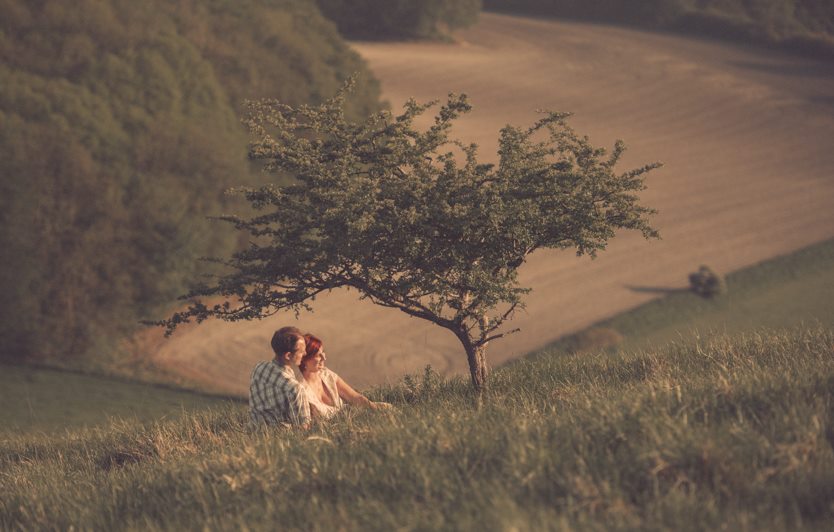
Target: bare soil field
pixel 746 136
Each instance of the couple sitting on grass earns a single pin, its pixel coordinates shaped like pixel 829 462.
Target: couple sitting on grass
pixel 278 398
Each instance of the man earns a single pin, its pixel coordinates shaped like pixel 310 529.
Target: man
pixel 275 396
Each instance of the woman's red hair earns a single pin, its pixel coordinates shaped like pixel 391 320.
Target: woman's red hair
pixel 313 347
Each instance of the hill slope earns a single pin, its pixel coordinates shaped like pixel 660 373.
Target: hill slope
pixel 723 434
pixel 51 401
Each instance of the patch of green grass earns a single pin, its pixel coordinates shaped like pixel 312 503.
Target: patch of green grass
pixel 730 433
pixel 783 292
pixel 48 400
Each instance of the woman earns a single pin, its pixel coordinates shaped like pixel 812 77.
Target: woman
pixel 326 391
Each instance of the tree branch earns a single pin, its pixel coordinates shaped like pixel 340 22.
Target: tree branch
pixel 497 336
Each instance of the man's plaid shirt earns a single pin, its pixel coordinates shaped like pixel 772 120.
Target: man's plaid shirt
pixel 276 397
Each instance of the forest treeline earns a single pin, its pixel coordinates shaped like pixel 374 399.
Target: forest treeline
pixel 119 132
pixel 399 19
pixel 800 25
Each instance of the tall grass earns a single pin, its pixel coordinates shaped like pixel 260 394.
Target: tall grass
pixel 722 432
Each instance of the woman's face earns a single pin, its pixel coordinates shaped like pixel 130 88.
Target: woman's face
pixel 316 362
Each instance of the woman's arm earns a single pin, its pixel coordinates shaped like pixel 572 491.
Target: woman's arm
pixel 349 395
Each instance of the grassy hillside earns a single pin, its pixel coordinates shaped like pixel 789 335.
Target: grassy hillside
pixel 730 433
pixel 45 400
pixel 119 132
pixel 805 26
pixel 786 291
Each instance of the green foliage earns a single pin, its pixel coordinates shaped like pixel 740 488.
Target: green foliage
pixel 387 209
pixel 706 283
pixel 801 25
pixel 276 49
pixel 118 135
pixel 725 433
pixel 390 19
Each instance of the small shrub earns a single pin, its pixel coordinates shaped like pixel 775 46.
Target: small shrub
pixel 418 389
pixel 706 283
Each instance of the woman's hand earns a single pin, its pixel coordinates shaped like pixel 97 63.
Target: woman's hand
pixel 353 397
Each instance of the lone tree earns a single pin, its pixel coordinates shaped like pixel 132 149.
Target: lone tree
pixel 410 219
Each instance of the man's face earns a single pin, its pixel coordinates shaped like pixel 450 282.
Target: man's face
pixel 299 352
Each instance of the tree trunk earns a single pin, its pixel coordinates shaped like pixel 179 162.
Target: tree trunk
pixel 476 356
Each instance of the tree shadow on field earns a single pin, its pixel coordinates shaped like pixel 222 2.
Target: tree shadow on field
pixel 656 289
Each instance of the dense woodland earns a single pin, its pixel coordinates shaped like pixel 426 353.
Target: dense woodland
pixel 801 25
pixel 119 132
pixel 385 19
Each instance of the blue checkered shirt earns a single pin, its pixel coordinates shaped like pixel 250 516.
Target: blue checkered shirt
pixel 276 397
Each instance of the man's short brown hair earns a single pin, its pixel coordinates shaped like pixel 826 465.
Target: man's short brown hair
pixel 284 340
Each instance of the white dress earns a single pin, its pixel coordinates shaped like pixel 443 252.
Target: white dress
pixel 328 378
